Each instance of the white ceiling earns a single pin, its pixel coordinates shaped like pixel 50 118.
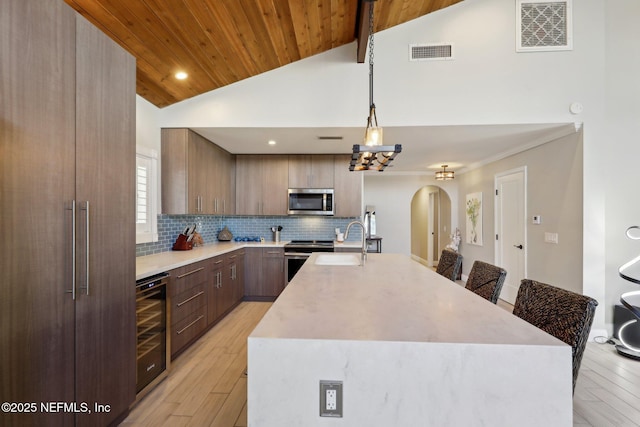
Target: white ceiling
pixel 424 148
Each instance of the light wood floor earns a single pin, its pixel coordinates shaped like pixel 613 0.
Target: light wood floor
pixel 208 386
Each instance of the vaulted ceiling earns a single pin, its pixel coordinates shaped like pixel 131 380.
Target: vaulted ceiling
pixel 219 42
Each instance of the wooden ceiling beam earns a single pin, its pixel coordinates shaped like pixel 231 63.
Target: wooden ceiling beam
pixel 363 29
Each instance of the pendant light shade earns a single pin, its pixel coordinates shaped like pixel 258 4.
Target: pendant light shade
pixel 444 174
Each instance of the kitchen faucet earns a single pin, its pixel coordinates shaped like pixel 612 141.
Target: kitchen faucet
pixel 364 239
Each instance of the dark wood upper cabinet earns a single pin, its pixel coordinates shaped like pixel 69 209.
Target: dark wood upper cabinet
pixel 198 177
pixel 311 171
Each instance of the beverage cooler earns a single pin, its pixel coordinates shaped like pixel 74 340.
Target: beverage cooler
pixel 153 351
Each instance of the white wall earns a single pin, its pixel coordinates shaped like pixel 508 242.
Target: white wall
pixel 487 83
pixel 148 135
pixel 392 195
pixel 554 191
pixel 147 124
pixel 620 171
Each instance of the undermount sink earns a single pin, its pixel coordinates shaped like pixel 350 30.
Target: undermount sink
pixel 338 259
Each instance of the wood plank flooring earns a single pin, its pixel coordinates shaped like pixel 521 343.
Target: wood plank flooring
pixel 208 385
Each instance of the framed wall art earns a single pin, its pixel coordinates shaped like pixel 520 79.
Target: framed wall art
pixel 474 218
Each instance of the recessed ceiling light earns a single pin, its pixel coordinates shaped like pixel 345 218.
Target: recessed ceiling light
pixel 271 142
pixel 181 75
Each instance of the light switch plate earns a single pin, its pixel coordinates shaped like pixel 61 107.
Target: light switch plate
pixel 551 238
pixel 331 398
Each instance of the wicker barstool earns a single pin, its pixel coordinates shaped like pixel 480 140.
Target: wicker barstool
pixel 449 264
pixel 486 280
pixel 564 314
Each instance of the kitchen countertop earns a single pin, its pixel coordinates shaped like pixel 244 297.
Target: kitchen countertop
pixel 410 348
pixel 391 298
pixel 149 265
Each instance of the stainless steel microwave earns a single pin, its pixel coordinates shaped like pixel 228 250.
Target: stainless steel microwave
pixel 310 201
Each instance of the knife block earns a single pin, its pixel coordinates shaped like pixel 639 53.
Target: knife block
pixel 181 244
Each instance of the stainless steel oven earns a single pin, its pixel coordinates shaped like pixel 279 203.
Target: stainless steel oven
pixel 296 253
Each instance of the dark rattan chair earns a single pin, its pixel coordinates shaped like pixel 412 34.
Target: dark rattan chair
pixel 486 280
pixel 449 264
pixel 564 314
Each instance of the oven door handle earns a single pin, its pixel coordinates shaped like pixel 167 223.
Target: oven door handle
pixel 296 255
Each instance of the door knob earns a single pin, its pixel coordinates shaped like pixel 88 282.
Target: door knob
pixel 517 246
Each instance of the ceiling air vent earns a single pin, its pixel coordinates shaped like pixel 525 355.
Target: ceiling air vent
pixel 543 25
pixel 430 52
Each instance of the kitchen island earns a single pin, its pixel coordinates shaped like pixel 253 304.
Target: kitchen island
pixel 411 349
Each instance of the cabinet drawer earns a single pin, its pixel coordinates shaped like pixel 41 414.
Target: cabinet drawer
pixel 272 252
pixel 187 302
pixel 189 328
pixel 234 256
pixel 187 277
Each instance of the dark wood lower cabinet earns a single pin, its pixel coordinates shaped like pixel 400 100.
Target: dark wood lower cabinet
pixel 264 273
pixel 272 271
pixel 201 294
pixel 188 304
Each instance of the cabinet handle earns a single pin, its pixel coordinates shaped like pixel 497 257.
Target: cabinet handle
pixel 273 252
pixel 219 279
pixel 215 205
pixel 232 256
pixel 191 272
pixel 233 272
pixel 191 324
pixel 218 262
pixel 224 205
pixel 86 260
pixel 73 250
pixel 189 299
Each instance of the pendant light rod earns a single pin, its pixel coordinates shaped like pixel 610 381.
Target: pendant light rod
pixel 372 105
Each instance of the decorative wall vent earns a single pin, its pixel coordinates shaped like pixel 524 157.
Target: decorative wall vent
pixel 430 52
pixel 543 25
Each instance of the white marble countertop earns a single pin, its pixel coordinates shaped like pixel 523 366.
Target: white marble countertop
pixel 149 265
pixel 391 298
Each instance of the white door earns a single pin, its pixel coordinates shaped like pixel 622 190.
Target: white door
pixel 511 245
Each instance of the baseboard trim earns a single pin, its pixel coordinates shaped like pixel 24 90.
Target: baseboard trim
pixel 598 333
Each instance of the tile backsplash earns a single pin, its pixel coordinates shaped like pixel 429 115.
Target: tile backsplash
pixel 293 227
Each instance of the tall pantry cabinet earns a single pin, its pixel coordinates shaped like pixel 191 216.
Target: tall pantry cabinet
pixel 67 232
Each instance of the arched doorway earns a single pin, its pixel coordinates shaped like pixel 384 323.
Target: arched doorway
pixel 430 224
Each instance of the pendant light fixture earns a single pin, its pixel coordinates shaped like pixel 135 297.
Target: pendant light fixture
pixel 372 155
pixel 444 174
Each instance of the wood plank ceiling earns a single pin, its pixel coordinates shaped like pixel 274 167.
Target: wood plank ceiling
pixel 219 42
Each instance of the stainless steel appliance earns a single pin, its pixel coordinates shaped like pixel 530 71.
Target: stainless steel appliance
pixel 296 253
pixel 310 201
pixel 370 221
pixel 153 350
